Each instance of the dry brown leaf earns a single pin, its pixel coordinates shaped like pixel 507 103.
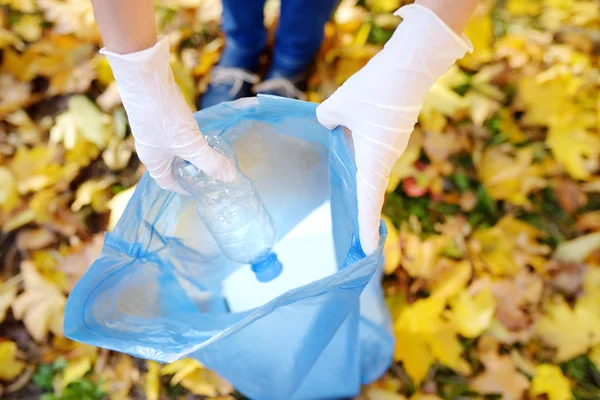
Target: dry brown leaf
pixel 34 239
pixel 77 262
pixel 500 377
pixel 570 196
pixel 40 306
pixel 515 297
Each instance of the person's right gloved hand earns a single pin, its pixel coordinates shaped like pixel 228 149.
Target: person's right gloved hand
pixel 161 121
pixel 380 104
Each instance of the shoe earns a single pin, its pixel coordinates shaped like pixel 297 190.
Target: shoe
pixel 279 84
pixel 232 78
pixel 227 84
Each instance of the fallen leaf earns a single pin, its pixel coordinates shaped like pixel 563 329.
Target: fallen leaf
pixel 75 369
pixel 566 277
pixel 40 306
pixel 34 239
pixel 576 250
pixel 549 380
pixel 472 315
pixel 117 206
pixel 508 247
pixel 419 256
pixel 555 328
pixel 381 394
pixel 589 221
pixel 9 195
pixel 508 178
pixel 36 168
pixel 514 298
pixel 152 381
pixel 11 365
pixel 78 260
pixel 120 378
pixel 8 292
pixel 480 32
pixel 193 376
pixel 595 356
pixel 570 196
pixel 93 192
pixel 450 278
pixel 572 145
pixel 500 377
pixel 83 117
pixel 29 27
pixel 391 249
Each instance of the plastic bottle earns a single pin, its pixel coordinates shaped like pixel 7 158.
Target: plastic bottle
pixel 233 213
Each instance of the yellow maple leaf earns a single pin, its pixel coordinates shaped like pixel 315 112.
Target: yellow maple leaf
pixel 14 93
pixel 391 249
pixel 420 256
pixel 524 7
pixel 36 168
pixel 549 380
pixel 119 380
pixel 40 306
pixel 572 144
pixel 373 393
pixel 29 27
pixel 423 336
pixel 543 99
pixel 71 17
pixel 472 315
pixel 414 352
pixel 9 195
pixel 94 192
pixel 500 377
pixel 480 31
pixel 442 98
pixel 424 396
pixel 11 366
pixel 75 369
pixel 152 381
pixel 185 81
pixel 555 327
pixel 594 356
pixel 576 250
pixel 193 376
pixel 508 247
pixel 25 6
pixel 510 178
pixel 451 278
pixel 82 118
pixel 8 292
pixel 404 167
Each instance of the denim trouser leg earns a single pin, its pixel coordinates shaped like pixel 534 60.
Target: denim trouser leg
pixel 299 34
pixel 246 36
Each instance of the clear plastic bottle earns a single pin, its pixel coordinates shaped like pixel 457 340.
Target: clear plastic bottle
pixel 233 213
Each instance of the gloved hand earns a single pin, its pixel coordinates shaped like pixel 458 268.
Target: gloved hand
pixel 381 102
pixel 161 121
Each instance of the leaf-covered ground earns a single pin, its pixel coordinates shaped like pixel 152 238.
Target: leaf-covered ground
pixel 493 258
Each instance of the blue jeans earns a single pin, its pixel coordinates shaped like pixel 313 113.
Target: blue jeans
pixel 298 36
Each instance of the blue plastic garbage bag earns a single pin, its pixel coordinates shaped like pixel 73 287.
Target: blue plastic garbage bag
pixel 155 290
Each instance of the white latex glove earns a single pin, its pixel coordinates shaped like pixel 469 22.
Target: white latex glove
pixel 381 102
pixel 161 121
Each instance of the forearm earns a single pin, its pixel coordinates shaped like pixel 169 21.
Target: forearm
pixel 455 13
pixel 126 26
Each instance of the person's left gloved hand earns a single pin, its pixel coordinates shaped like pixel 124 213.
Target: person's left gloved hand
pixel 380 104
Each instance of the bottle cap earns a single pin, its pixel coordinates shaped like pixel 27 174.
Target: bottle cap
pixel 267 268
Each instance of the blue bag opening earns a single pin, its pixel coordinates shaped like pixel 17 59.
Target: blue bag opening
pixel 156 291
